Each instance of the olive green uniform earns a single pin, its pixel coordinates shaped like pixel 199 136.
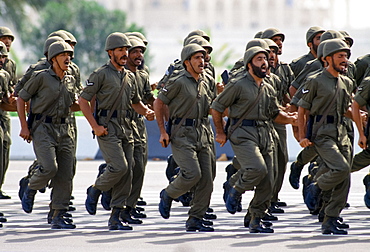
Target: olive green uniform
pixel 53 139
pixel 252 141
pixel 192 143
pixel 332 142
pixel 298 64
pixel 362 97
pixel 4 85
pixel 117 147
pixel 362 68
pixel 10 67
pixel 140 138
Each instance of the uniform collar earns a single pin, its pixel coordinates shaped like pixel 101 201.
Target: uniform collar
pixel 201 76
pixel 329 75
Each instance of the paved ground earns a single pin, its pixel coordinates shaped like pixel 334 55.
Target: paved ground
pixel 296 229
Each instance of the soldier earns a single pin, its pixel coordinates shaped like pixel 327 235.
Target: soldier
pixel 252 139
pixel 134 61
pixel 326 99
pixel 115 91
pixel 7 37
pixel 188 98
pixel 51 133
pixel 313 36
pixel 275 35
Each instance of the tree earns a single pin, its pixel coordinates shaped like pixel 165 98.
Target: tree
pixel 89 22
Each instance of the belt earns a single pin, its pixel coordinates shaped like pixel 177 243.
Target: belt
pixel 188 122
pixel 49 119
pixel 329 119
pixel 105 112
pixel 245 122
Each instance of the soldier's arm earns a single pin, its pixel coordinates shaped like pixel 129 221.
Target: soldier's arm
pixel 218 122
pixel 86 110
pixel 160 112
pixel 25 132
pixel 356 117
pixel 302 123
pixel 143 110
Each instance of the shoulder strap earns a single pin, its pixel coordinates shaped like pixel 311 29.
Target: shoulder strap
pixel 116 102
pixel 232 128
pixel 189 110
pixel 325 114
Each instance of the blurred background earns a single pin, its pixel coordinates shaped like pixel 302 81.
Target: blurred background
pixel 165 23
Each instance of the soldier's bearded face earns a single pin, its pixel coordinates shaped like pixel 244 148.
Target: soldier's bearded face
pixel 136 56
pixel 119 56
pixel 340 62
pixel 259 65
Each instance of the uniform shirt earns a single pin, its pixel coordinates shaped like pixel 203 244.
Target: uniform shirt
pixel 298 64
pixel 182 90
pixel 362 96
pixel 319 91
pixel 105 82
pixel 11 68
pixel 286 78
pixel 241 92
pixel 44 64
pixel 43 89
pixel 362 65
pixel 4 83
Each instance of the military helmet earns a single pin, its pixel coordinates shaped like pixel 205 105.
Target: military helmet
pixel 58 47
pixel 49 41
pixel 199 33
pixel 331 34
pixel 312 31
pixel 335 45
pixel 116 40
pixel 251 52
pixel 320 49
pixel 258 34
pixel 271 43
pixel 200 41
pixel 135 43
pixel 60 33
pixel 258 42
pixel 190 50
pixel 347 37
pixel 5 31
pixel 3 50
pixel 71 37
pixel 138 35
pixel 272 32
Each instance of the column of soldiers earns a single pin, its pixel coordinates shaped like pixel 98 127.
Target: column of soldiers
pixel 261 96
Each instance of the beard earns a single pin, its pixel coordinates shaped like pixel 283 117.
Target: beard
pixel 118 60
pixel 340 70
pixel 258 71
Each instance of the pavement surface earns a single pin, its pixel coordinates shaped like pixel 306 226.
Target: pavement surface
pixel 296 229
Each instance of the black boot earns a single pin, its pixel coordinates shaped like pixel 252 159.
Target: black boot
pixel 126 216
pixel 2 219
pixel 92 199
pixel 137 214
pixel 141 202
pixel 22 186
pixel 256 226
pixel 269 217
pixel 367 188
pixel 165 204
pixel 233 200
pixel 210 216
pixel 340 224
pixel 329 226
pixel 105 200
pixel 114 222
pixel 28 199
pixel 227 188
pixel 247 219
pixel 59 222
pixel 312 196
pixel 274 208
pixel 295 174
pixel 194 224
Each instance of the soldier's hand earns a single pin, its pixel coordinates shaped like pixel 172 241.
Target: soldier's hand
pixel 220 87
pixel 305 143
pixel 362 141
pixel 26 135
pixel 164 140
pixel 221 138
pixel 150 115
pixel 100 131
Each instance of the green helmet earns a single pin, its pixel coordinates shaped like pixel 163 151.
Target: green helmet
pixel 60 33
pixel 71 37
pixel 138 35
pixel 199 33
pixel 58 47
pixel 258 42
pixel 190 50
pixel 334 46
pixel 272 32
pixel 270 44
pixel 312 32
pixel 258 34
pixel 116 40
pixel 320 49
pixel 3 50
pixel 200 41
pixel 135 43
pixel 331 34
pixel 49 41
pixel 5 31
pixel 347 37
pixel 251 52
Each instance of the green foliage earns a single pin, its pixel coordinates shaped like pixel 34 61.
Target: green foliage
pixel 89 22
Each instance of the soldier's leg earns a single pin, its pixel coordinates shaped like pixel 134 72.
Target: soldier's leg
pixel 137 174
